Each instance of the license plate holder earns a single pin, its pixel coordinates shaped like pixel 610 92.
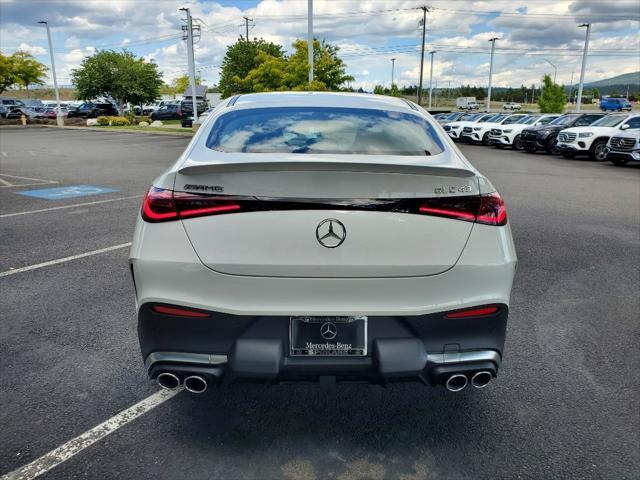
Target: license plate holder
pixel 328 336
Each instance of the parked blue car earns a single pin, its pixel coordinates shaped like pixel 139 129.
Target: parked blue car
pixel 614 104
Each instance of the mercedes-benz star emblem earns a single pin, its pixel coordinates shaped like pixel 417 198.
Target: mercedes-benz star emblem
pixel 328 330
pixel 331 233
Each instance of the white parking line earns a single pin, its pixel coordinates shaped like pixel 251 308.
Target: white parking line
pixel 34 181
pixel 6 273
pixel 74 205
pixel 65 452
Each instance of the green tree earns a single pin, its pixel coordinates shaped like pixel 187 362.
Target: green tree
pixel 7 72
pixel 278 73
pixel 595 93
pixel 181 83
pixel 378 90
pixel 329 71
pixel 240 59
pixel 120 75
pixel 394 92
pixel 553 98
pixel 26 70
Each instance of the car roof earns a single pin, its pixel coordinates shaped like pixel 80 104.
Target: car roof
pixel 321 99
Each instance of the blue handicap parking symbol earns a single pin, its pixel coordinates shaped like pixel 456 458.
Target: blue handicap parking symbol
pixel 60 193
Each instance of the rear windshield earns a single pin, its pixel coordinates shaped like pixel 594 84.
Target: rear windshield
pixel 324 130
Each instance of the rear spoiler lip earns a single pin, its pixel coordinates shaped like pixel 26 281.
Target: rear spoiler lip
pixel 192 168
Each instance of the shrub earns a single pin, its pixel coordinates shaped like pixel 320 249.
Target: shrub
pixel 119 121
pixel 103 121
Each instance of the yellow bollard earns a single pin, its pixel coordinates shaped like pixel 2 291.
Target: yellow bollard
pixel 23 119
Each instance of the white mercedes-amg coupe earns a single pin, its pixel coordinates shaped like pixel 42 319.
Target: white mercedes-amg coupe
pixel 322 237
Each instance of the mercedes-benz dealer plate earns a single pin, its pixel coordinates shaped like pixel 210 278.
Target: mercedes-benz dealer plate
pixel 328 336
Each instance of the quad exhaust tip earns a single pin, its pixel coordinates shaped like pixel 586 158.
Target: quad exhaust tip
pixel 195 384
pixel 168 381
pixel 456 382
pixel 481 379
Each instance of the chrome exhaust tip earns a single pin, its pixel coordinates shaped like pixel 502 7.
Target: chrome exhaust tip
pixel 456 382
pixel 168 381
pixel 481 379
pixel 195 384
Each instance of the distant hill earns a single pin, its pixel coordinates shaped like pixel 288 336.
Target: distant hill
pixel 631 79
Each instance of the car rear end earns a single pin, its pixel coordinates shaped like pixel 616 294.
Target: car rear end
pixel 270 251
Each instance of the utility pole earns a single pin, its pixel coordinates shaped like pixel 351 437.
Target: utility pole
pixel 59 117
pixel 192 67
pixel 246 26
pixel 431 77
pixel 424 27
pixel 533 93
pixel 393 65
pixel 310 38
pixel 584 65
pixel 493 47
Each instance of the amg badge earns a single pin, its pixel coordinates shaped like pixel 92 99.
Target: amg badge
pixel 204 188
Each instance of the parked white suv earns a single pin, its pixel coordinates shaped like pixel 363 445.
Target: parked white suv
pixel 480 133
pixel 592 139
pixel 625 146
pixel 512 106
pixel 454 129
pixel 510 136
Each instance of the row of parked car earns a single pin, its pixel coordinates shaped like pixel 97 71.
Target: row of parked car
pixel 600 136
pixel 182 110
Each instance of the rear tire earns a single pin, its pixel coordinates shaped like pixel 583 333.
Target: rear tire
pixel 517 143
pixel 598 151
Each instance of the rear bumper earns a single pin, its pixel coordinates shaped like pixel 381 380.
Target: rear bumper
pixel 403 348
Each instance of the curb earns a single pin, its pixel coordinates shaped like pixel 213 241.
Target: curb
pixel 98 129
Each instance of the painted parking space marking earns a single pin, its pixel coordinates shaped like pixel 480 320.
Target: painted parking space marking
pixel 7 181
pixel 76 445
pixel 13 271
pixel 74 205
pixel 71 191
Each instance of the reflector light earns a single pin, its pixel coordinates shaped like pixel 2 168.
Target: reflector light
pixel 178 312
pixel 473 312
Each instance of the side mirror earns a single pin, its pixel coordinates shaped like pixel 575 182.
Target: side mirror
pixel 624 127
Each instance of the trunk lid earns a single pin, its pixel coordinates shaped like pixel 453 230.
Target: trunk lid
pixel 345 192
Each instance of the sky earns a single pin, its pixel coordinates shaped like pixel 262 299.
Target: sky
pixel 532 35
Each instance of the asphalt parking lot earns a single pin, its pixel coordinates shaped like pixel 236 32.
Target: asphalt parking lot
pixel 565 404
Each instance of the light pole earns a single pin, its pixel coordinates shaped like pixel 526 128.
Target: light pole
pixel 555 70
pixel 493 47
pixel 571 89
pixel 393 65
pixel 424 27
pixel 431 77
pixel 310 38
pixel 192 67
pixel 584 65
pixel 59 117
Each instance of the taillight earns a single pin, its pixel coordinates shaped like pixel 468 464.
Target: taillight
pixel 164 205
pixel 492 210
pixel 178 311
pixel 487 209
pixel 473 312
